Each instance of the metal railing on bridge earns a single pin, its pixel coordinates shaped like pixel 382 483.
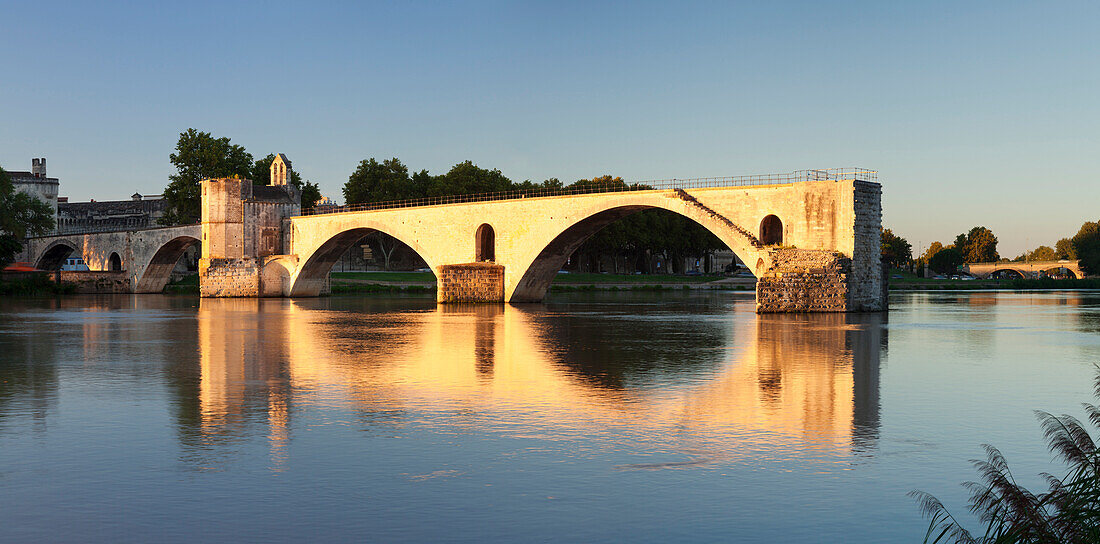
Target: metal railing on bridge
pixel 835 174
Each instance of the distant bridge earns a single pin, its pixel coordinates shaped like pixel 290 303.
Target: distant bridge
pixel 1024 269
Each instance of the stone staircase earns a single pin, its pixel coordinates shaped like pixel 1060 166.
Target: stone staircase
pixel 753 240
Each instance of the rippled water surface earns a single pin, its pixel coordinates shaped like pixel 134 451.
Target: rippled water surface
pixel 653 417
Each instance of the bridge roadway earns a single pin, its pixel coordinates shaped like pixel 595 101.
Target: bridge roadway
pixel 814 243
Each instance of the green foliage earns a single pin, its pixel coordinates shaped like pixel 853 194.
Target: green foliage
pixel 1042 253
pixel 466 178
pixel 1068 512
pixel 896 251
pixel 21 215
pixel 374 181
pixel 932 250
pixel 1086 244
pixel 35 284
pixel 310 195
pixel 946 261
pixel 1064 250
pixel 198 156
pixel 977 246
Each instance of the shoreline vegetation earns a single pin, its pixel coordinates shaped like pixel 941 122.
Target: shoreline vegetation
pixel 383 283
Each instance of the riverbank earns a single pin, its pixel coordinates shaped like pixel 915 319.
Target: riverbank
pixel 367 283
pixel 34 284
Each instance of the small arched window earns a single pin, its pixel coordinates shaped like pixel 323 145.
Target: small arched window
pixel 485 244
pixel 771 231
pixel 114 263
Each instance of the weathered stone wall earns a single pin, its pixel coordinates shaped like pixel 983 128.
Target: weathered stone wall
pixel 805 281
pixel 95 282
pixel 865 283
pixel 223 218
pixel 229 277
pixel 471 282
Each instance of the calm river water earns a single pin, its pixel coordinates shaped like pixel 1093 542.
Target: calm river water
pixel 629 417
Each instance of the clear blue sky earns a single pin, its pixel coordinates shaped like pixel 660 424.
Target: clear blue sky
pixel 978 113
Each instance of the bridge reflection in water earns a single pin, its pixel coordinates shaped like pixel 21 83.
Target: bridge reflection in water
pixel 701 385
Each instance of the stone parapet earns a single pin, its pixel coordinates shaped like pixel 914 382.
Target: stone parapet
pixel 220 278
pixel 471 282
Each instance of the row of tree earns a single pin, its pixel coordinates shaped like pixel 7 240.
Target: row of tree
pixel 979 245
pixel 198 156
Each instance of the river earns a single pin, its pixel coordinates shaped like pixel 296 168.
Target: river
pixel 642 417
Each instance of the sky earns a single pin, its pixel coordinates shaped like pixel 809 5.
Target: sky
pixel 974 113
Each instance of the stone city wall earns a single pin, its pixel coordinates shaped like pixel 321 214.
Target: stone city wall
pixel 805 281
pixel 471 282
pixel 229 277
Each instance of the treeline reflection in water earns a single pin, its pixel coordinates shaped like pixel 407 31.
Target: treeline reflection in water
pixel 673 375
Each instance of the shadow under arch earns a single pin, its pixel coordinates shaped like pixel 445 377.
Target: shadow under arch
pixel 313 273
pixel 55 254
pixel 159 270
pixel 1059 271
pixel 536 279
pixel 1007 273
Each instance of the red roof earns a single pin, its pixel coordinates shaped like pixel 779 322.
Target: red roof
pixel 21 267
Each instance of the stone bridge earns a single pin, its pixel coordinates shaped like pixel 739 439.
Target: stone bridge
pixel 811 240
pixel 1025 269
pixel 142 258
pixel 814 245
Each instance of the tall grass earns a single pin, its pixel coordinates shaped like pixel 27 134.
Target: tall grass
pixel 1067 512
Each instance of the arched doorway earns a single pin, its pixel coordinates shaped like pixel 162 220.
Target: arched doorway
pixel 114 263
pixel 771 231
pixel 485 244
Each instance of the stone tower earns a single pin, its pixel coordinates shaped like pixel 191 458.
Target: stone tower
pixel 280 169
pixel 38 167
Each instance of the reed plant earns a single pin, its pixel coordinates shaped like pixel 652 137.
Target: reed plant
pixel 1067 512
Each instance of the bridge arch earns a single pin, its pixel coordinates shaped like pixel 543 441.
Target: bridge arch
pixel 540 272
pixel 1006 273
pixel 159 270
pixel 54 254
pixel 314 268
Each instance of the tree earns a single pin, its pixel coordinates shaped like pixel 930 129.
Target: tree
pixel 1086 244
pixel 977 246
pixel 198 156
pixel 946 260
pixel 310 195
pixel 932 250
pixel 374 181
pixel 896 251
pixel 466 178
pixel 1063 250
pixel 20 215
pixel 1041 253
